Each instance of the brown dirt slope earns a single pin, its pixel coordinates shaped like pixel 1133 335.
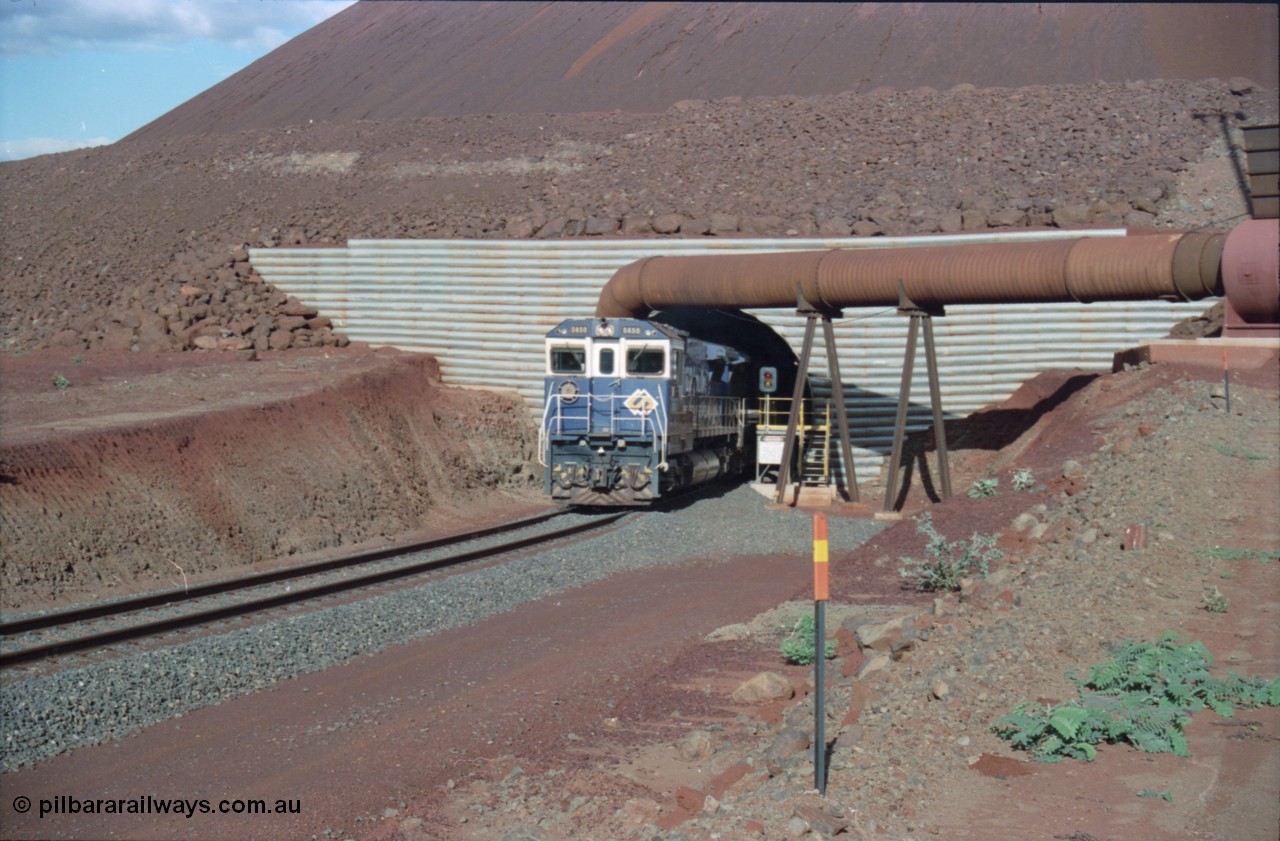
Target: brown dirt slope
pixel 150 467
pixel 401 60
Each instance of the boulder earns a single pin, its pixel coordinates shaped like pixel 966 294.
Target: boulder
pixel 635 224
pixel 766 686
pixel 295 307
pixel 599 226
pixel 696 746
pixel 723 223
pixel 668 223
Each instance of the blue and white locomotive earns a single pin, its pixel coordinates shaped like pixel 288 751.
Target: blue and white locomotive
pixel 637 409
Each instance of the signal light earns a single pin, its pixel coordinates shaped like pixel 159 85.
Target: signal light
pixel 768 380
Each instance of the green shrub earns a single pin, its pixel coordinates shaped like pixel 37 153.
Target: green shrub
pixel 1023 480
pixel 1214 601
pixel 984 488
pixel 948 562
pixel 798 648
pixel 61 381
pixel 1144 698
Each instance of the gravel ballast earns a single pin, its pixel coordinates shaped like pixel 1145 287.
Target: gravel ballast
pixel 51 714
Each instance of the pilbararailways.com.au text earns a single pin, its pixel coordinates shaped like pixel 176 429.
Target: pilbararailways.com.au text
pixel 64 804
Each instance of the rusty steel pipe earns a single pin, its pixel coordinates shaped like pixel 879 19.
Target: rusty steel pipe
pixel 1251 275
pixel 1178 266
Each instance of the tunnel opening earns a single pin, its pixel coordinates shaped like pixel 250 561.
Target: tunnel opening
pixel 741 331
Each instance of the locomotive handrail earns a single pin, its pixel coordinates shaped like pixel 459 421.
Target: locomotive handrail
pixel 651 424
pixel 661 415
pixel 544 440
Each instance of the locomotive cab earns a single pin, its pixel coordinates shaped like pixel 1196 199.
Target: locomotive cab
pixel 635 409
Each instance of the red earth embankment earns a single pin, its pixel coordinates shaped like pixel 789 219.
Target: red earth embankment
pixel 139 471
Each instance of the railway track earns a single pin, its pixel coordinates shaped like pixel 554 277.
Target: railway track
pixel 46 636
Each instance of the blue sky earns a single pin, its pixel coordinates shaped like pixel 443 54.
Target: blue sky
pixel 77 73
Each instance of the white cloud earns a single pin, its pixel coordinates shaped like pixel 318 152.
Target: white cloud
pixel 52 26
pixel 16 150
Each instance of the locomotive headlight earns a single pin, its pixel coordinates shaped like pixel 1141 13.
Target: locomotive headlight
pixel 582 442
pixel 600 451
pixel 621 443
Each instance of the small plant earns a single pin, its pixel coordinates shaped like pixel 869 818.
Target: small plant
pixel 61 381
pixel 77 359
pixel 1023 480
pixel 1144 698
pixel 798 648
pixel 1166 795
pixel 948 562
pixel 1239 452
pixel 1214 601
pixel 984 488
pixel 1219 553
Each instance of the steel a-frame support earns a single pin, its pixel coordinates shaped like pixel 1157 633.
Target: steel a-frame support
pixel 812 315
pixel 919 316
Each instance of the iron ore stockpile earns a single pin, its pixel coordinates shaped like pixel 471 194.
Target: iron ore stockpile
pixel 902 162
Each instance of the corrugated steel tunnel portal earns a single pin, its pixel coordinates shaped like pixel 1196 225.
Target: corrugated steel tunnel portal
pixel 482 308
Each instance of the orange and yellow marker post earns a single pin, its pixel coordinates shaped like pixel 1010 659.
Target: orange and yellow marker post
pixel 821 592
pixel 821 579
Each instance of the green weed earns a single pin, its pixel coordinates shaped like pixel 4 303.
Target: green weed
pixel 1214 601
pixel 1219 553
pixel 61 381
pixel 1239 452
pixel 984 488
pixel 798 648
pixel 1144 698
pixel 948 562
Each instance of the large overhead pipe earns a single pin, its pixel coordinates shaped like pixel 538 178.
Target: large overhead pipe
pixel 1149 266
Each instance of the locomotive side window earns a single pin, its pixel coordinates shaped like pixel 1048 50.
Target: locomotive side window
pixel 604 362
pixel 646 361
pixel 568 359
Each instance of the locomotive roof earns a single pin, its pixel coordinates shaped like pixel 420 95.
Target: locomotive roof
pixel 609 328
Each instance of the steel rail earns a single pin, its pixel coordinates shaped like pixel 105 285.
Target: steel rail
pixel 158 599
pixel 103 638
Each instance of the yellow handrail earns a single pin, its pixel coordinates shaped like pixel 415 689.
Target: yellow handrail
pixel 775 412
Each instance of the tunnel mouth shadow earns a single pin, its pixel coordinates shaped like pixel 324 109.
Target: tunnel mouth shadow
pixel 990 430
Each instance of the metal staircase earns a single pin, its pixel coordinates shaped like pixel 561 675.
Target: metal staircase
pixel 815 460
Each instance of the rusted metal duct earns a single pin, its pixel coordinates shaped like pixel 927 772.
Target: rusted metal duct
pixel 1251 275
pixel 1182 266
